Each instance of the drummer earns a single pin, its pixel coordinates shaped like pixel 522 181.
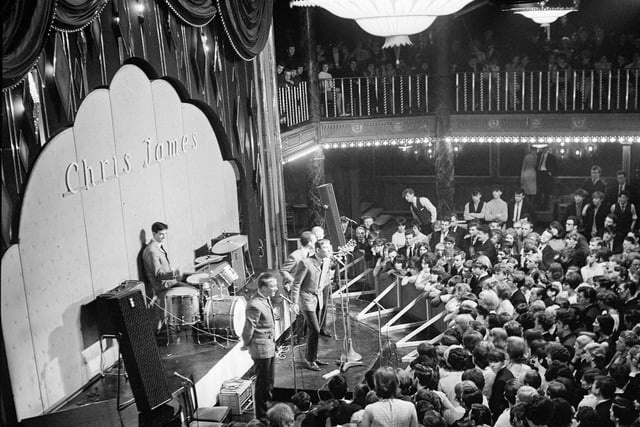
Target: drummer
pixel 157 269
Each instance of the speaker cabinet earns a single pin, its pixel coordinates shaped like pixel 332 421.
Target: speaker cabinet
pixel 333 226
pixel 125 315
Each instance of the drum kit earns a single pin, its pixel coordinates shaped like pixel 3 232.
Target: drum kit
pixel 207 301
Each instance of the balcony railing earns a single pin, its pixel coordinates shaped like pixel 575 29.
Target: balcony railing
pixel 486 92
pixel 547 91
pixel 294 104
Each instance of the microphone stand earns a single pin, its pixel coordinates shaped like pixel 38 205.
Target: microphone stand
pixel 292 341
pixel 349 358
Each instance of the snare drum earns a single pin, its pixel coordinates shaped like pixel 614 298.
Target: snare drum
pixel 225 313
pixel 183 306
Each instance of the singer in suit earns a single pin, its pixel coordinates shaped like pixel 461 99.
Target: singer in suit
pixel 312 275
pixel 258 336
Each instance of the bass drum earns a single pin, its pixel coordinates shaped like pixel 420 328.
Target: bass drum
pixel 225 313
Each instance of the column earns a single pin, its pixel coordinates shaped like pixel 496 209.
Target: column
pixel 445 173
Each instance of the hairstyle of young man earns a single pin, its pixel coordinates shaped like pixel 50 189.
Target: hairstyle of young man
pixel 302 400
pixel 623 411
pixel 513 328
pixel 480 353
pixel 338 387
pixel 407 191
pixel 606 323
pixel 480 415
pixel 511 389
pixel 306 237
pixel 433 419
pixel 556 389
pixel 606 385
pixel 475 376
pixel 557 351
pixel 527 392
pixel 572 279
pixel 587 417
pixel 516 348
pixel 158 226
pixel 562 413
pixel 470 339
pixel 264 280
pixel 539 411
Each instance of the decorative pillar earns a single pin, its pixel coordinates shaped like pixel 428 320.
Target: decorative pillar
pixel 313 87
pixel 271 251
pixel 315 167
pixel 445 173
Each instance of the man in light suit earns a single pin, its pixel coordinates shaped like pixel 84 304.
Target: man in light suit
pixel 312 275
pixel 157 269
pixel 307 248
pixel 258 336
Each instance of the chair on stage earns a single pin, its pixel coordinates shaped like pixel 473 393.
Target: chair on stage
pixel 195 416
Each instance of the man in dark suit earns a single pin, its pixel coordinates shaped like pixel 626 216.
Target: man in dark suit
pixel 438 236
pixel 545 171
pixel 471 241
pixel 258 336
pixel 457 231
pixel 604 389
pixel 576 208
pixel 311 277
pixel 409 249
pixel 622 184
pixel 519 208
pixel 547 253
pixel 594 216
pixel 486 246
pixel 595 183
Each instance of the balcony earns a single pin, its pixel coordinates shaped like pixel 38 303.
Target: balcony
pixel 525 105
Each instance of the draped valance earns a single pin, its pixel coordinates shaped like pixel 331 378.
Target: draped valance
pixel 196 13
pixel 25 27
pixel 247 24
pixel 74 15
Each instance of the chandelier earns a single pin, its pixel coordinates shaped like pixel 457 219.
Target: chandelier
pixel 394 20
pixel 544 12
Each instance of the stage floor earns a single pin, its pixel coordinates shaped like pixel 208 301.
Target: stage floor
pixel 185 356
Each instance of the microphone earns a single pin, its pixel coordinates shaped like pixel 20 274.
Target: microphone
pixel 350 220
pixel 325 207
pixel 182 377
pixel 285 298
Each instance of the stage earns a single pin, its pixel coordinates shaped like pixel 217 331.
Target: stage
pixel 211 364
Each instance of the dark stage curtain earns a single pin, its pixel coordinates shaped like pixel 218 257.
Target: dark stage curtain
pixel 25 27
pixel 196 13
pixel 74 15
pixel 247 24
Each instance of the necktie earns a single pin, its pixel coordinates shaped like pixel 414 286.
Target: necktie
pixel 516 212
pixel 164 251
pixel 620 188
pixel 594 229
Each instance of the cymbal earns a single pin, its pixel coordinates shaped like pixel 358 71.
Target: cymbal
pixel 207 259
pixel 229 244
pixel 198 278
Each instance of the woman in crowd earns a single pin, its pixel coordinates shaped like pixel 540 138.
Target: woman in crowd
pixel 389 411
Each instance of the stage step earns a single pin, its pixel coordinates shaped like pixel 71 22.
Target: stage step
pixel 382 220
pixel 365 206
pixel 374 212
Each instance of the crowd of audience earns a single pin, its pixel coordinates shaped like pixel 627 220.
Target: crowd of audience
pixel 579 48
pixel 541 327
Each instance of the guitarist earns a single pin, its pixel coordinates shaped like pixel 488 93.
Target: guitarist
pixel 311 276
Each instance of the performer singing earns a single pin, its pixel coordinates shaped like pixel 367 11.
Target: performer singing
pixel 157 269
pixel 312 275
pixel 258 337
